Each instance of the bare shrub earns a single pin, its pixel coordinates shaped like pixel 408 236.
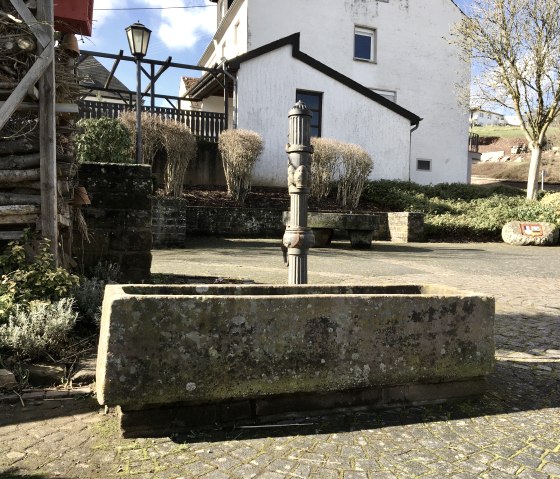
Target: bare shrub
pixel 239 150
pixel 180 145
pixel 355 166
pixel 152 126
pixel 326 153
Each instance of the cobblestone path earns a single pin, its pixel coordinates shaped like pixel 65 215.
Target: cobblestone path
pixel 512 432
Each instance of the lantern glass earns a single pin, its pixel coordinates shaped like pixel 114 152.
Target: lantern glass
pixel 138 38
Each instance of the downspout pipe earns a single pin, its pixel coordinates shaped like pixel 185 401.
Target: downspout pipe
pixel 234 80
pixel 412 130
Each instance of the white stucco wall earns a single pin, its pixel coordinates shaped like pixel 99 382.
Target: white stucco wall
pixel 348 116
pixel 230 39
pixel 414 59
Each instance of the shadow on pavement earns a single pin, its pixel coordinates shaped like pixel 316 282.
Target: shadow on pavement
pixel 12 473
pixel 511 389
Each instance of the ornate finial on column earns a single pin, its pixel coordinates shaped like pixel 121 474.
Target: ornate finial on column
pixel 298 238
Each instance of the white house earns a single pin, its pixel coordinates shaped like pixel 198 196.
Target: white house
pixel 486 118
pixel 378 73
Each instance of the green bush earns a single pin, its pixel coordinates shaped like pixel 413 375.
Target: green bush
pixel 102 140
pixel 38 329
pixel 552 200
pixel 460 212
pixel 28 274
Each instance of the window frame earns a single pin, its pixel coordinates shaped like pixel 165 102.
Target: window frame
pixel 319 111
pixel 370 32
pixel 429 161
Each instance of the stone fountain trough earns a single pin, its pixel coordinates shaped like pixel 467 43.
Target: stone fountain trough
pixel 245 352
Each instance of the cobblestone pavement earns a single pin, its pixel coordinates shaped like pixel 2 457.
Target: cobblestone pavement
pixel 513 431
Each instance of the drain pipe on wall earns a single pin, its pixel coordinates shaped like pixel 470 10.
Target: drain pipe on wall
pixel 234 80
pixel 412 130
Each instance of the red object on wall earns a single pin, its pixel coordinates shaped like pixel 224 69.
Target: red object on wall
pixel 73 16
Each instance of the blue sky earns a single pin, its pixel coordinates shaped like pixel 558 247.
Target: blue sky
pixel 182 34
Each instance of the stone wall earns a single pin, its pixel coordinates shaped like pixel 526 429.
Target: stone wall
pixel 173 220
pixel 119 219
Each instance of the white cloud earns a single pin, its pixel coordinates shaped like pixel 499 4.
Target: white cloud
pixel 182 28
pixel 101 16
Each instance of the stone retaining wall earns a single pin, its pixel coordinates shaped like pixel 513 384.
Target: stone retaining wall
pixel 173 220
pixel 119 219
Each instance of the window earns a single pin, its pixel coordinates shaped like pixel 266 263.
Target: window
pixel 389 94
pixel 365 40
pixel 423 165
pixel 314 101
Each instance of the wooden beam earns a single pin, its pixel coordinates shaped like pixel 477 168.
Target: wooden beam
pixel 19 199
pixel 19 176
pixel 18 219
pixel 155 77
pixel 41 31
pixel 59 107
pixel 10 210
pixel 112 72
pixel 11 235
pixel 30 78
pixel 18 162
pixel 47 138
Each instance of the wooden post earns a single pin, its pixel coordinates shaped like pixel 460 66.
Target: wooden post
pixel 47 125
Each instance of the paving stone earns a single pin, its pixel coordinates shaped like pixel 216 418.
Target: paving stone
pixel 516 424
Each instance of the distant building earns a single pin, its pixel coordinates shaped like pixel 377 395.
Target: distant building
pixel 481 117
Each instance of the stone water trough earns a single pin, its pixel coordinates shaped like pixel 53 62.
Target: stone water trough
pixel 176 356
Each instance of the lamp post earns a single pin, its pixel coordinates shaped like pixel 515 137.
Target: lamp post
pixel 138 38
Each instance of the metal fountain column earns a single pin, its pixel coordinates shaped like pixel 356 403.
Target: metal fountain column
pixel 298 237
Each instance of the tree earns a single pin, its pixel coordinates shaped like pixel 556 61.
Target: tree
pixel 515 49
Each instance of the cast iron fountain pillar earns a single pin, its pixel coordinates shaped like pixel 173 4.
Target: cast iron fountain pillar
pixel 298 238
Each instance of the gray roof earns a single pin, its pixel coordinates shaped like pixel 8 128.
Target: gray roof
pixel 93 74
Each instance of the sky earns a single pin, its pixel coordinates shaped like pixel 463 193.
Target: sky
pixel 182 34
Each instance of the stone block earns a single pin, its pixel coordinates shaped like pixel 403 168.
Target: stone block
pixel 406 227
pixel 45 374
pixel 206 344
pixel 525 233
pixel 7 379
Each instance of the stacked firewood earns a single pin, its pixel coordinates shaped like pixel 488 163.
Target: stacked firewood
pixel 20 188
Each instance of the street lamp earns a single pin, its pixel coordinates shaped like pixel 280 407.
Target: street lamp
pixel 138 38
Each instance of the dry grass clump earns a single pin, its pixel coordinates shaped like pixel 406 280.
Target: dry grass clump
pixel 151 133
pixel 239 150
pixel 355 166
pixel 342 164
pixel 323 166
pixel 180 145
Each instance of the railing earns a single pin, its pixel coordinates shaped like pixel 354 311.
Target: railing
pixel 204 125
pixel 474 142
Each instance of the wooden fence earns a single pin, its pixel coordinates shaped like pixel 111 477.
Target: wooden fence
pixel 204 125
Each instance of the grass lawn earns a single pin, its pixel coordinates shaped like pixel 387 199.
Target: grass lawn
pixel 509 131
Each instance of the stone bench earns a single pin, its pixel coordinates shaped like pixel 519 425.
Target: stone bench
pixel 176 356
pixel 363 228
